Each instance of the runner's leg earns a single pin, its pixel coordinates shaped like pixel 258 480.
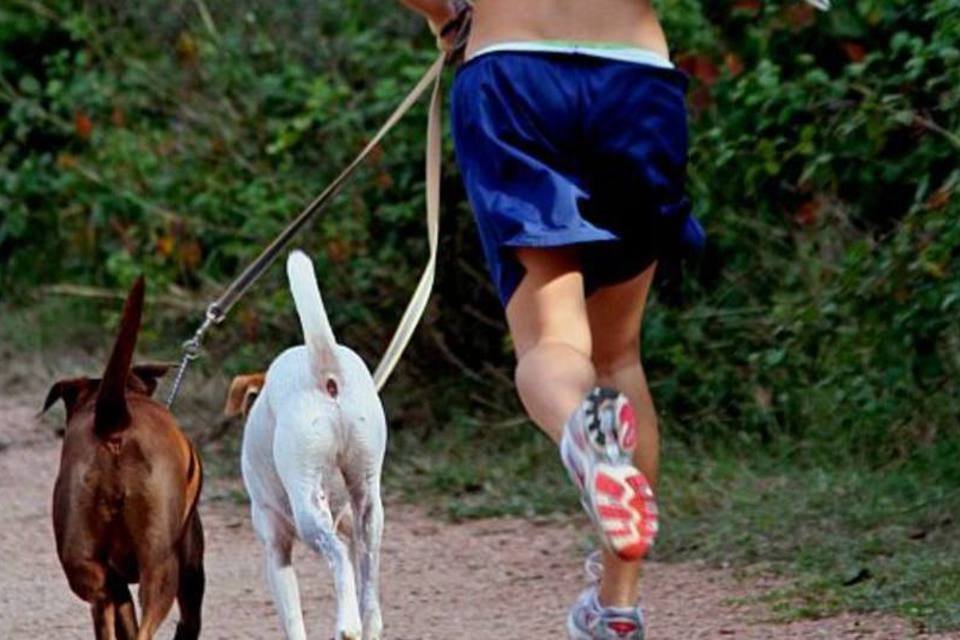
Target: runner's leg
pixel 615 314
pixel 548 322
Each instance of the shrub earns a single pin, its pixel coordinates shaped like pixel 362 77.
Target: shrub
pixel 824 166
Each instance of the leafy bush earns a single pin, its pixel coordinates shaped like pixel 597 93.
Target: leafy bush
pixel 157 139
pixel 825 165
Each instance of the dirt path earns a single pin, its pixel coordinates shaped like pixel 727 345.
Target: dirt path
pixel 492 579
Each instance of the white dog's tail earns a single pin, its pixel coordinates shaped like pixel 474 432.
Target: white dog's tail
pixel 321 345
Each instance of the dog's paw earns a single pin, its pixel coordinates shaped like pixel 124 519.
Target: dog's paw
pixel 349 632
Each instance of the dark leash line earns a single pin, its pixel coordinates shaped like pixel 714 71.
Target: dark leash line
pixel 217 311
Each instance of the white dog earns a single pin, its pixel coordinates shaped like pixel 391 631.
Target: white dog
pixel 313 446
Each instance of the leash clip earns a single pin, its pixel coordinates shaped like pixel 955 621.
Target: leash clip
pixel 193 349
pixel 214 316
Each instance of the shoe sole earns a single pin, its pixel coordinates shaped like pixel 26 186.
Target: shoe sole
pixel 619 498
pixel 625 510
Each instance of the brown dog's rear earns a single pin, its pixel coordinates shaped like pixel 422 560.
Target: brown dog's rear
pixel 125 500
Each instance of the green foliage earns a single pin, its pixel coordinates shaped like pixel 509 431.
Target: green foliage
pixel 824 165
pixel 146 139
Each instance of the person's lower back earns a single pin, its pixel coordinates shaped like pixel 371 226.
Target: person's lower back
pixel 629 22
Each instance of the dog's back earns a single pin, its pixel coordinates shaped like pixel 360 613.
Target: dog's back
pixel 117 436
pixel 102 493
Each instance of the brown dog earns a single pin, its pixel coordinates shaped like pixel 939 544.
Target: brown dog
pixel 125 500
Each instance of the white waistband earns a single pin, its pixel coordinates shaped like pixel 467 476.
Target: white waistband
pixel 615 52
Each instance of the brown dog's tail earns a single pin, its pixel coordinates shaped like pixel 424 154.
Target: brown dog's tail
pixel 111 413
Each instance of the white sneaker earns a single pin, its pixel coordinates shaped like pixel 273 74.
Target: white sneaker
pixel 596 449
pixel 588 620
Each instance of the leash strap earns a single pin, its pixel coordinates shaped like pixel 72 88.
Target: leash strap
pixel 225 302
pixel 418 303
pixel 218 310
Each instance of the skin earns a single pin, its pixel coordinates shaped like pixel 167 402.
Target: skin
pixel 567 343
pixel 632 22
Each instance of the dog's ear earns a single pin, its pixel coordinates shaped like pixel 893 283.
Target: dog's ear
pixel 70 391
pixel 243 391
pixel 150 373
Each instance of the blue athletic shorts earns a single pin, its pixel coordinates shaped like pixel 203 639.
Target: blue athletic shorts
pixel 560 149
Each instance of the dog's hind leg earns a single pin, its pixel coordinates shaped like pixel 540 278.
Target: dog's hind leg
pixel 300 448
pixel 125 623
pixel 192 581
pixel 367 537
pixel 277 539
pixel 89 580
pixel 158 589
pixel 315 527
pixel 104 614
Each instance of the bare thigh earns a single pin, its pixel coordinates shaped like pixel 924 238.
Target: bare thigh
pixel 548 305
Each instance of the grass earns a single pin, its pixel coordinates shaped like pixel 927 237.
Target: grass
pixel 846 537
pixel 843 537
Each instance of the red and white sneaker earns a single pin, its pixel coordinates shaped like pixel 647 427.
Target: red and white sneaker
pixel 597 446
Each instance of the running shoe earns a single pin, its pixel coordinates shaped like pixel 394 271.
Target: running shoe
pixel 590 621
pixel 596 448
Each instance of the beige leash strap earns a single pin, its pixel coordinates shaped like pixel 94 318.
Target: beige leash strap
pixel 217 311
pixel 421 295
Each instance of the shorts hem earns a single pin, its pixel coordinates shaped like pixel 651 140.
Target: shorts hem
pixel 559 238
pixel 511 271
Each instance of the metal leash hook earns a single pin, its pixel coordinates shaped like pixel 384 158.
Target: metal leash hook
pixel 192 350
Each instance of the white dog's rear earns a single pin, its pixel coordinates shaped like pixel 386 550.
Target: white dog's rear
pixel 313 445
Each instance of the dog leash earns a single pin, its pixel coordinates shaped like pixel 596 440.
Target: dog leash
pixel 218 310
